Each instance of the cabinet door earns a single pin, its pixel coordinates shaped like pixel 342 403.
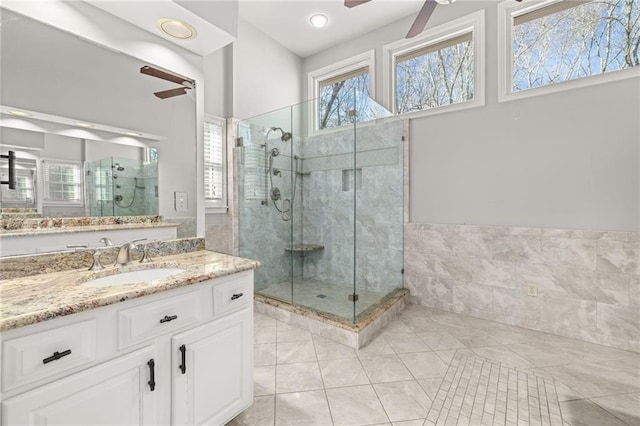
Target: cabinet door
pixel 114 393
pixel 212 381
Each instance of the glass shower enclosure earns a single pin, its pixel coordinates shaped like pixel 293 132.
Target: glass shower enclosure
pixel 122 187
pixel 322 209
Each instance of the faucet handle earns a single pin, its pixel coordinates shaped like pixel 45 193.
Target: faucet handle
pixel 106 241
pixel 145 255
pixel 96 265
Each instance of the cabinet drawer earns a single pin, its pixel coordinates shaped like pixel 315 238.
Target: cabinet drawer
pixel 232 295
pixel 150 320
pixel 40 355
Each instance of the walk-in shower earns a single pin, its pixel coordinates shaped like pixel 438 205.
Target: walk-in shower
pixel 122 187
pixel 322 210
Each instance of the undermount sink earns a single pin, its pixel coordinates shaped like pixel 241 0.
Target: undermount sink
pixel 133 277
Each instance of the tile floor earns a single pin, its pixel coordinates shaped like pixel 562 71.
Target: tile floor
pixel 303 379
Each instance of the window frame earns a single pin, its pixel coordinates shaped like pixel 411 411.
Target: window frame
pixel 473 23
pixel 366 59
pixel 507 11
pixel 215 206
pixel 45 182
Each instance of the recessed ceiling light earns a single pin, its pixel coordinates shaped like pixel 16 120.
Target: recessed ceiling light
pixel 445 1
pixel 83 124
pixel 19 113
pixel 319 20
pixel 135 134
pixel 177 28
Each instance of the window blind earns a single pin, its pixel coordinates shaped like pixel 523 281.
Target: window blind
pixel 434 47
pixel 62 181
pixel 343 77
pixel 213 161
pixel 546 10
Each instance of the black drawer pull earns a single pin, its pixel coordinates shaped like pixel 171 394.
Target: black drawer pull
pixel 152 374
pixel 56 356
pixel 183 366
pixel 237 296
pixel 168 318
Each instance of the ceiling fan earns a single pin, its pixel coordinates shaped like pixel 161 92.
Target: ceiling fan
pixel 186 83
pixel 421 20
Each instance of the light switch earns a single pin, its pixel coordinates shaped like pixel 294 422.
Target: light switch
pixel 181 203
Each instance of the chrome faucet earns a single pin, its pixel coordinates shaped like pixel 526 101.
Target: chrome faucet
pixel 124 254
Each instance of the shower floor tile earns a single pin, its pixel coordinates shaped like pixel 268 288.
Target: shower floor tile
pixel 322 296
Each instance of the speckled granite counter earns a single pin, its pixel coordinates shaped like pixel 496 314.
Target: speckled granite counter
pixel 67 224
pixel 89 228
pixel 37 298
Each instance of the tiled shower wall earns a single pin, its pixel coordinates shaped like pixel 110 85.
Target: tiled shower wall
pixel 328 206
pixel 575 283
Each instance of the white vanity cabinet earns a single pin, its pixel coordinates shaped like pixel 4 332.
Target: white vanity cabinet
pixel 209 386
pixel 116 392
pixel 179 357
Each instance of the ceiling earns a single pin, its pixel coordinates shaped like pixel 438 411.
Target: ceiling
pixel 287 21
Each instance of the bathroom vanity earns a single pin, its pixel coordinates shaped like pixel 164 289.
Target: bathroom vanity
pixel 175 350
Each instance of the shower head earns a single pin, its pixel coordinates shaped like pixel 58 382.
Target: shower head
pixel 286 136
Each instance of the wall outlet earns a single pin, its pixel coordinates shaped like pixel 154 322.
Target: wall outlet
pixel 532 290
pixel 180 200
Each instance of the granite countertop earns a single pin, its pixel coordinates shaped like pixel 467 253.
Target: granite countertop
pixel 88 228
pixel 37 298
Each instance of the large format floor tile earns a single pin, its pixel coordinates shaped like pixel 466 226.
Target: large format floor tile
pixel 411 375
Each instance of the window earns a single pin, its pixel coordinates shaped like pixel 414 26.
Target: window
pixel 337 97
pixel 62 182
pixel 23 194
pixel 338 88
pixel 568 42
pixel 214 162
pixel 440 68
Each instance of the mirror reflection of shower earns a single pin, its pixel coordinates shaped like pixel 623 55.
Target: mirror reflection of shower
pixel 122 187
pixel 281 204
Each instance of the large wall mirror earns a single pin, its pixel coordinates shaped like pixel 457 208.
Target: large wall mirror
pixel 90 136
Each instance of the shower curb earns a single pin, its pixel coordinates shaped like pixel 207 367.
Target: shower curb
pixel 354 335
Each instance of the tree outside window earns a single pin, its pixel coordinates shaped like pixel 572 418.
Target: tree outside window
pixel 569 40
pixel 337 100
pixel 436 75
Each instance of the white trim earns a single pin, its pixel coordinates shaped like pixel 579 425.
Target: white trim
pixel 365 59
pixel 506 11
pixel 216 206
pixel 475 23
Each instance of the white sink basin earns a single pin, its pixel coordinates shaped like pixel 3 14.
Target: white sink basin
pixel 133 277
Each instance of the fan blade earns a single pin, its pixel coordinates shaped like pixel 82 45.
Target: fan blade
pixel 422 18
pixel 354 3
pixel 154 72
pixel 171 93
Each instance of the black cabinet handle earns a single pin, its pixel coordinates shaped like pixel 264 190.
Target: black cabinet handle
pixel 183 366
pixel 152 374
pixel 237 296
pixel 56 356
pixel 168 318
